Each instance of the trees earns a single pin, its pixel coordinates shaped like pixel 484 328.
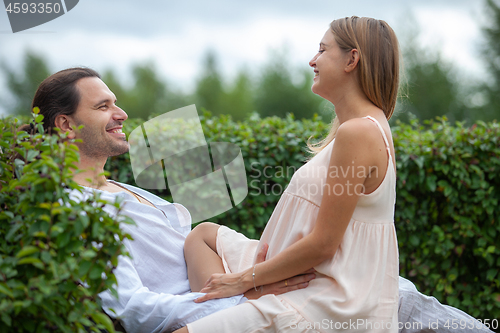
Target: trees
pixel 491 54
pixel 433 85
pixel 22 85
pixel 240 101
pixel 209 92
pixel 428 84
pixel 149 94
pixel 434 88
pixel 283 89
pixel 212 93
pixel 278 90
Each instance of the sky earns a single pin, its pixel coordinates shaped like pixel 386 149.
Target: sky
pixel 176 35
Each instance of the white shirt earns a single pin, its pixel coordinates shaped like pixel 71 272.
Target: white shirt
pixel 153 287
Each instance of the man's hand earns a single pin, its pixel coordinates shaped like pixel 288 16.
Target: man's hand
pixel 277 288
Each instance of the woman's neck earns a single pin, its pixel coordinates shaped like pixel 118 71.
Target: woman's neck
pixel 353 103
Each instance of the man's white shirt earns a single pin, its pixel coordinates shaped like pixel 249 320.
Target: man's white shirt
pixel 153 286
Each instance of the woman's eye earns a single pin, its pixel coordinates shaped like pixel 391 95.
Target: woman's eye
pixel 321 51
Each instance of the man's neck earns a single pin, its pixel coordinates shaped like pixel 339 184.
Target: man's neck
pixel 91 172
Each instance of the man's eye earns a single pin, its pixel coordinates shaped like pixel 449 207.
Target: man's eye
pixel 102 107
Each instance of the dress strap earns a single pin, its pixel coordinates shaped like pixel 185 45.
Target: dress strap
pixel 381 130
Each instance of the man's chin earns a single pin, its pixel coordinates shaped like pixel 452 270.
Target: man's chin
pixel 121 150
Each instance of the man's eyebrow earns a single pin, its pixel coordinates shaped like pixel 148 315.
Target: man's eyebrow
pixel 106 100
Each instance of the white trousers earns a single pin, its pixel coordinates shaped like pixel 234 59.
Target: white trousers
pixel 419 313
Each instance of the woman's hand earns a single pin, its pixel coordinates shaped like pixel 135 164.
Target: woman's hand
pixel 226 285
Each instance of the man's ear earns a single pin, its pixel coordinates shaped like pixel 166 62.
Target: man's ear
pixel 65 124
pixel 353 60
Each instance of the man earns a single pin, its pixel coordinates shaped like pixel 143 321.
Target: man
pixel 153 288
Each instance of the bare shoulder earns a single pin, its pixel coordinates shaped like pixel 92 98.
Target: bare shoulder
pixel 358 131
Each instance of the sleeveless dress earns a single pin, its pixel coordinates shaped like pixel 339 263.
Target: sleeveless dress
pixel 355 291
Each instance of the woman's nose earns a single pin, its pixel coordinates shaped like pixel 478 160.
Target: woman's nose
pixel 312 62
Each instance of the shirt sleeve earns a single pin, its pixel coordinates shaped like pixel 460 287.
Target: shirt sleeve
pixel 141 310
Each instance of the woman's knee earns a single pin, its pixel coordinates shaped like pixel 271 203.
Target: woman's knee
pixel 205 232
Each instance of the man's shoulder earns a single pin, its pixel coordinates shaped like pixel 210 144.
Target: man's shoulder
pixel 146 194
pixel 79 194
pixel 176 213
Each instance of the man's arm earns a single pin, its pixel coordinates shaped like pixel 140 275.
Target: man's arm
pixel 142 310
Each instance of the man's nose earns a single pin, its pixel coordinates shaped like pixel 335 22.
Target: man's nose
pixel 120 114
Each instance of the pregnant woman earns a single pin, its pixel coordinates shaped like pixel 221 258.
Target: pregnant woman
pixel 336 215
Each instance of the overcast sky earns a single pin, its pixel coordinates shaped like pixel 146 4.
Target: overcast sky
pixel 176 34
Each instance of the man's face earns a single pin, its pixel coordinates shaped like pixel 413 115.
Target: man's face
pixel 102 119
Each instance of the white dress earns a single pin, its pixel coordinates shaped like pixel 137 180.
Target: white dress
pixel 355 291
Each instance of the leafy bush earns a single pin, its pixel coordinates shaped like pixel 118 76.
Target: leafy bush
pixel 447 212
pixel 50 245
pixel 448 192
pixel 447 197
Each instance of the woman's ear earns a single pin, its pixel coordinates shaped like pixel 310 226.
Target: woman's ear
pixel 353 60
pixel 65 124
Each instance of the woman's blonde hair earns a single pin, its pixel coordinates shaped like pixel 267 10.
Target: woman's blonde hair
pixel 378 64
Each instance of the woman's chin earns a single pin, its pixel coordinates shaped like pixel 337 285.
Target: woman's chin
pixel 314 88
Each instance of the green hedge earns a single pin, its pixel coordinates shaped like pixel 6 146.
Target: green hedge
pixel 51 245
pixel 447 196
pixel 448 191
pixel 447 213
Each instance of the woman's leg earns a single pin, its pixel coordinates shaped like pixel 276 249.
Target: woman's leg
pixel 201 256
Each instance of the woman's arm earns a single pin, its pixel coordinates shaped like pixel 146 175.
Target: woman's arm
pixel 357 151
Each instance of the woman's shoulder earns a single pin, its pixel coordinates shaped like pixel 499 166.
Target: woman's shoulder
pixel 362 130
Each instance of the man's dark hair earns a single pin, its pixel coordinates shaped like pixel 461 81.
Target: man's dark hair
pixel 58 94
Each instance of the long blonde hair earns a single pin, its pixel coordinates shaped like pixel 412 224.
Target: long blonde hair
pixel 379 54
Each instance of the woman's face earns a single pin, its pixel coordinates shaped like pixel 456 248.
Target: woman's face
pixel 328 64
